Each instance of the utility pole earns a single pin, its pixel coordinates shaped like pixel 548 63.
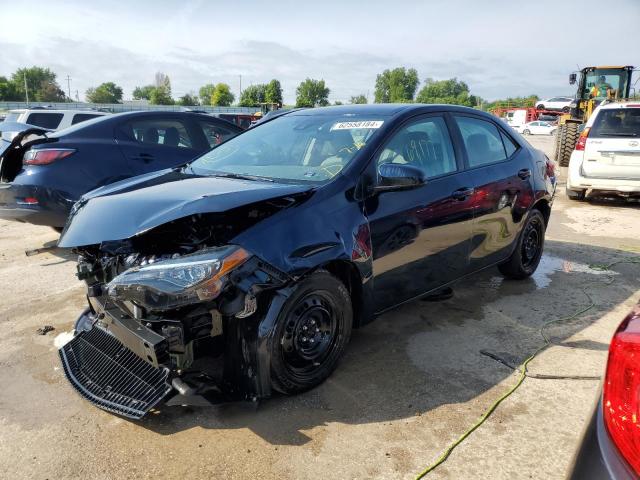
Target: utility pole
pixel 69 87
pixel 77 97
pixel 26 90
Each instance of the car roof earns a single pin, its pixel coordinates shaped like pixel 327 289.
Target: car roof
pixel 611 106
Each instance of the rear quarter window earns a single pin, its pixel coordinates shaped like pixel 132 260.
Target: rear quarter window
pixel 45 120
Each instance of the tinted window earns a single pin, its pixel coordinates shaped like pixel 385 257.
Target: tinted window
pixel 619 122
pixel 215 133
pixel 425 144
pixel 509 146
pixel 81 117
pixel 482 141
pixel 45 120
pixel 167 132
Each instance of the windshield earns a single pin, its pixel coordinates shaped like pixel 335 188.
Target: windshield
pixel 617 122
pixel 298 149
pixel 602 80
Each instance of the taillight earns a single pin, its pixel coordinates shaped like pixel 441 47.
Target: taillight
pixel 582 139
pixel 621 395
pixel 45 156
pixel 551 169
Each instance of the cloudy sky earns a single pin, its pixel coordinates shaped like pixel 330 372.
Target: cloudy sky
pixel 500 48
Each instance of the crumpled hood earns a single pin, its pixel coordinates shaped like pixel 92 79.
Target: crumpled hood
pixel 131 207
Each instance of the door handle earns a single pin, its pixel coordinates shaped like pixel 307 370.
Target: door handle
pixel 462 193
pixel 524 173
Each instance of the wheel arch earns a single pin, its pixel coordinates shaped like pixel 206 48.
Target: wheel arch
pixel 543 206
pixel 347 272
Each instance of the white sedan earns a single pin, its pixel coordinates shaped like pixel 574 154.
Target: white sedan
pixel 537 128
pixel 607 155
pixel 562 104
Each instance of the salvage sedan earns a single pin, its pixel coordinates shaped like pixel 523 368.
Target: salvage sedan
pixel 244 272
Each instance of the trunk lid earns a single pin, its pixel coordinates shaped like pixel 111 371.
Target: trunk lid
pixel 12 152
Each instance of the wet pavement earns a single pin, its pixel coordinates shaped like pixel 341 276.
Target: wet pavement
pixel 410 383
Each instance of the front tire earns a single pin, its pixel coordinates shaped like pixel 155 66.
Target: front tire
pixel 525 258
pixel 526 132
pixel 312 332
pixel 540 107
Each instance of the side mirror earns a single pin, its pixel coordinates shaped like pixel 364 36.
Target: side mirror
pixel 572 78
pixel 398 176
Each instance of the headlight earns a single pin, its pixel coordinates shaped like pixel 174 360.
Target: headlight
pixel 198 277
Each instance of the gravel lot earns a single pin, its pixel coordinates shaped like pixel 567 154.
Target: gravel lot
pixel 410 383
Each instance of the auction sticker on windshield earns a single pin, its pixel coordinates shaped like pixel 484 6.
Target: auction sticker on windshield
pixel 356 125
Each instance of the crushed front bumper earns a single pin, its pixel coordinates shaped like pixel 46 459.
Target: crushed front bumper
pixel 112 377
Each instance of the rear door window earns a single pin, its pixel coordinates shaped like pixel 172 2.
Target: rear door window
pixel 158 132
pixel 215 133
pixel 482 141
pixel 45 119
pixel 81 117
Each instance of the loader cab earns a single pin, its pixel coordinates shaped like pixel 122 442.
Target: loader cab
pixel 604 82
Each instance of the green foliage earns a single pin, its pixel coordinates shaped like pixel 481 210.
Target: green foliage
pixel 273 92
pixel 143 93
pixel 358 99
pixel 222 96
pixel 161 96
pixel 253 95
pixel 528 101
pixel 449 91
pixel 188 100
pixel 312 93
pixel 8 90
pixel 396 86
pixel 41 83
pixel 338 102
pixel 205 92
pixel 107 92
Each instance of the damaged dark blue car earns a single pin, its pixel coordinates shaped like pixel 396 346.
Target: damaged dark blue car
pixel 245 271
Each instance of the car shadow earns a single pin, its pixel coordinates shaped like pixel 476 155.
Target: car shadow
pixel 51 247
pixel 425 355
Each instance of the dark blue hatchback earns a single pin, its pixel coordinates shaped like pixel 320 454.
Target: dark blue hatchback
pixel 43 174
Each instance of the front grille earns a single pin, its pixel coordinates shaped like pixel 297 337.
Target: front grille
pixel 111 376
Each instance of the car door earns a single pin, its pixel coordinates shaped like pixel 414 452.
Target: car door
pixel 420 237
pixel 503 187
pixel 156 142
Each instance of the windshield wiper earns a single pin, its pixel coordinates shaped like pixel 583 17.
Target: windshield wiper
pixel 243 176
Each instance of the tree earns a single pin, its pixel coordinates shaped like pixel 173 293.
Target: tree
pixel 189 99
pixel 205 92
pixel 312 93
pixel 253 95
pixel 8 90
pixel 143 93
pixel 449 91
pixel 41 83
pixel 107 92
pixel 358 99
pixel 338 102
pixel 273 92
pixel 528 101
pixel 222 96
pixel 396 86
pixel 162 81
pixel 161 96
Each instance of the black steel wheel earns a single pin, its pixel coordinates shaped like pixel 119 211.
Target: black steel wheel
pixel 311 334
pixel 525 258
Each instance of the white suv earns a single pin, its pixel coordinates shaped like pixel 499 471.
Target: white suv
pixel 607 154
pixel 49 118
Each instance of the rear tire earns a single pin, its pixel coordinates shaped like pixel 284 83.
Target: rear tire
pixel 540 107
pixel 566 142
pixel 525 258
pixel 565 109
pixel 578 195
pixel 311 334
